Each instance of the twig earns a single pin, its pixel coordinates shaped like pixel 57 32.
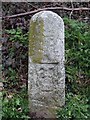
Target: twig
pixel 72 10
pixel 33 6
pixel 49 8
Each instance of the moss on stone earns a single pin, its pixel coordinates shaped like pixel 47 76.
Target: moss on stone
pixel 36 41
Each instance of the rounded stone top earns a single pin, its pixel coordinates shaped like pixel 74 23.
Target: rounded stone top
pixel 46 37
pixel 45 14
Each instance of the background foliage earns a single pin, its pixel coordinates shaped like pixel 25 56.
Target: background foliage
pixel 77 73
pixel 15 61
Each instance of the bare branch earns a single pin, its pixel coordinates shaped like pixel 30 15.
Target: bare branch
pixel 49 8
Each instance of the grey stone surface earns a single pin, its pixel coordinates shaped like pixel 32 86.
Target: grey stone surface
pixel 46 73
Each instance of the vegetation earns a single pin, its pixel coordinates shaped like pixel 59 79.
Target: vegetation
pixel 76 107
pixel 77 53
pixel 18 35
pixel 77 37
pixel 15 97
pixel 15 105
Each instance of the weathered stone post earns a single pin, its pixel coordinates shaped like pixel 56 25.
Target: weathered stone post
pixel 46 80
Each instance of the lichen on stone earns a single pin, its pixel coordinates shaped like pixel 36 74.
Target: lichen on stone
pixel 36 36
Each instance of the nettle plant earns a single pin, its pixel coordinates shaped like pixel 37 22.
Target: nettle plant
pixel 76 108
pixel 15 106
pixel 18 35
pixel 77 53
pixel 77 38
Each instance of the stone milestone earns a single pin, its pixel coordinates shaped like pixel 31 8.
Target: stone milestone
pixel 46 72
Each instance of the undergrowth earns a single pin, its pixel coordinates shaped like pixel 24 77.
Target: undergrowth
pixel 77 64
pixel 15 105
